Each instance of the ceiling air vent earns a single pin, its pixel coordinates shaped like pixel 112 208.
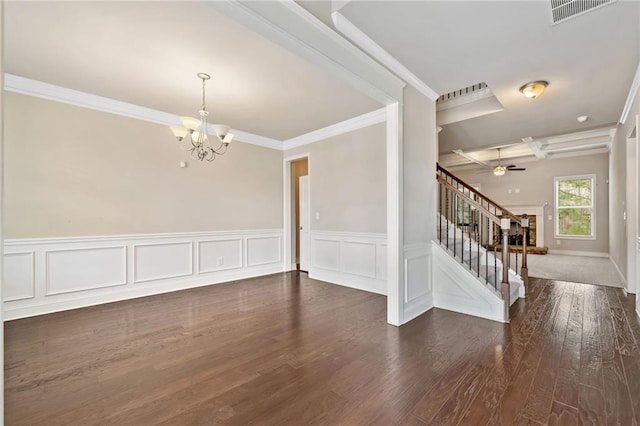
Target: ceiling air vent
pixel 567 9
pixel 476 88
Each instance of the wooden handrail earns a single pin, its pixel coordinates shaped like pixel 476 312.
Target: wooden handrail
pixel 470 200
pixel 479 194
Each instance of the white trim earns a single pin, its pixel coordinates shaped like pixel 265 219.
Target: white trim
pixel 579 253
pixel 39 89
pixel 8 243
pixel 534 146
pixel 351 235
pixel 104 285
pixel 355 123
pixel 334 259
pixel 289 25
pixel 395 239
pixel 556 210
pixel 631 96
pixel 352 32
pixel 31 290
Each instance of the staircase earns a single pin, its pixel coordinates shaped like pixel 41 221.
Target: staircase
pixel 469 272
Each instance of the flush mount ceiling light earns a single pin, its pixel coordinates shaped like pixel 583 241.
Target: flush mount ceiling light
pixel 198 132
pixel 534 89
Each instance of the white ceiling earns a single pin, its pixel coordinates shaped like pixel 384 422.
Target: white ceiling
pixel 148 53
pixel 589 61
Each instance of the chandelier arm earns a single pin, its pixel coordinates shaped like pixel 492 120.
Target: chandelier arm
pixel 219 149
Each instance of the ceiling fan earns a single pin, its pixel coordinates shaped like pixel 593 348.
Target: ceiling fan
pixel 500 170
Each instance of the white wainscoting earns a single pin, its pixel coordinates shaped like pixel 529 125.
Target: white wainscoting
pixel 418 285
pixel 357 260
pixel 56 274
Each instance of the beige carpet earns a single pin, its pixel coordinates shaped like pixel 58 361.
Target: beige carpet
pixel 577 269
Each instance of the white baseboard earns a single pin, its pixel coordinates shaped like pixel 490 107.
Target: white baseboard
pixel 356 260
pixel 347 280
pixel 578 253
pixel 54 274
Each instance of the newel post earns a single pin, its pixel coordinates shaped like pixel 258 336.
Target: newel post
pixel 505 288
pixel 524 271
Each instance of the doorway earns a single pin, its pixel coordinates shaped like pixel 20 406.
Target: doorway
pixel 297 219
pixel 300 172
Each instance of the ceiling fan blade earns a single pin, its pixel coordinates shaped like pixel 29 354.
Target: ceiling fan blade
pixel 516 169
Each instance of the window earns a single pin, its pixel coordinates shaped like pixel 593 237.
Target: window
pixel 575 206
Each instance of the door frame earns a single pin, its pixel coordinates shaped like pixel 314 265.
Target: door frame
pixel 289 261
pixel 631 203
pixel 305 262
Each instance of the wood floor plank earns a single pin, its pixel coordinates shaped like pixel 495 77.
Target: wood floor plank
pixel 486 402
pixel 627 347
pixel 515 396
pixel 288 350
pixel 591 406
pixel 590 351
pixel 616 390
pixel 562 415
pixel 540 398
pixel 566 389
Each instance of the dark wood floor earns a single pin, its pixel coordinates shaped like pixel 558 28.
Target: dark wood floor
pixel 287 350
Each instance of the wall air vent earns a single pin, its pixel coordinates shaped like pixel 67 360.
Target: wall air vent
pixel 561 10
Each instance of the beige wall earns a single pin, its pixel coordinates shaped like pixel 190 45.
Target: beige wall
pixel 536 188
pixel 420 150
pixel 347 179
pixel 71 171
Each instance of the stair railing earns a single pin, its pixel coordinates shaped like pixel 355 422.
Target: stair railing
pixel 478 231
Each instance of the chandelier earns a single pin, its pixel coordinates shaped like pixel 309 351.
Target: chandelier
pixel 197 132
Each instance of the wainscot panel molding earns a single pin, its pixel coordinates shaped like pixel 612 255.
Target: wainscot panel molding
pixel 56 274
pixel 352 259
pixel 19 276
pixel 418 286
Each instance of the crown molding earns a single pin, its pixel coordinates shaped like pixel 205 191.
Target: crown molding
pixel 40 89
pixel 352 32
pixel 289 25
pixel 258 140
pixel 359 122
pixel 633 91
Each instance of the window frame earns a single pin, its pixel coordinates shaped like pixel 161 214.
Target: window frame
pixel 557 209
